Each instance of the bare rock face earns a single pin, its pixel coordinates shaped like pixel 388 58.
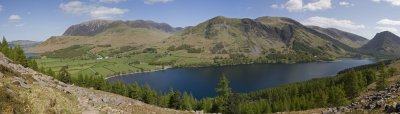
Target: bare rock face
pixel 89 28
pixel 94 27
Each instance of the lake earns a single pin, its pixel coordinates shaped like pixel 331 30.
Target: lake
pixel 31 54
pixel 201 82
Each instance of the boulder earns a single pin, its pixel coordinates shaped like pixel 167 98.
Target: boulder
pixel 21 82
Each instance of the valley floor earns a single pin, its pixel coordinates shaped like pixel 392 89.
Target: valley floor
pixel 116 66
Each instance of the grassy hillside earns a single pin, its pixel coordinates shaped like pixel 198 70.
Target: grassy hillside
pixel 117 36
pixel 255 38
pixel 347 38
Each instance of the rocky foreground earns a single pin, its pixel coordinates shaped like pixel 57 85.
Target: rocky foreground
pixel 28 91
pixel 386 101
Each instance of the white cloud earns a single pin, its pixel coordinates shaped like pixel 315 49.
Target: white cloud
pixel 346 4
pixel 391 29
pixel 112 1
pixel 106 13
pixel 14 18
pixel 75 7
pixel 276 6
pixel 156 1
pixel 388 22
pixel 393 2
pixel 319 5
pixel 1 8
pixel 97 12
pixel 298 5
pixel 294 5
pixel 332 22
pixel 20 25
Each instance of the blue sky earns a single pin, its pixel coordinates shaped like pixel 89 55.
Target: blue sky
pixel 40 19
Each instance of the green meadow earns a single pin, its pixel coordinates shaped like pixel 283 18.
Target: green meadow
pixel 142 62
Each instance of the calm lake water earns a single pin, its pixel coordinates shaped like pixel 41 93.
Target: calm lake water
pixel 243 78
pixel 31 54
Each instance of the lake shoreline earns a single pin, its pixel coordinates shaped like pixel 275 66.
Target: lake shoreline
pixel 219 65
pixel 113 76
pixel 244 78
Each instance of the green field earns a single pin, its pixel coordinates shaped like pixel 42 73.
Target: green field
pixel 114 66
pixel 106 67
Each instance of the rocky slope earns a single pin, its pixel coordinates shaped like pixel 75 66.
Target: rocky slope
pixel 347 38
pixel 23 90
pixel 106 34
pixel 384 43
pixel 94 27
pixel 373 102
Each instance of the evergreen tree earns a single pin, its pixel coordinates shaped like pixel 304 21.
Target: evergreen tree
pixel 64 76
pixel 370 76
pixel 80 80
pixel 352 84
pixel 224 92
pixel 382 83
pixel 337 97
pixel 149 96
pixel 136 92
pixel 42 70
pixel 50 72
pixel 223 88
pixel 34 65
pixel 5 47
pixel 187 101
pixel 233 104
pixel 19 56
pixel 175 100
pixel 392 71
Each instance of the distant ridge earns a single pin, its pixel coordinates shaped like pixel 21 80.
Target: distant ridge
pixel 384 43
pixel 94 27
pixel 219 35
pixel 258 36
pixel 347 38
pixel 108 34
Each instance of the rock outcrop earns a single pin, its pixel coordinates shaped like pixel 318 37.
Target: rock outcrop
pixel 382 100
pixel 43 94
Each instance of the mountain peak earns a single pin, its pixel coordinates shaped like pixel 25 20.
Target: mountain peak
pixel 269 20
pixel 219 17
pixel 385 43
pixel 386 34
pixel 96 22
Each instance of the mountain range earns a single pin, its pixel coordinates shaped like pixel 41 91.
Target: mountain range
pixel 25 44
pixel 223 35
pixel 107 34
